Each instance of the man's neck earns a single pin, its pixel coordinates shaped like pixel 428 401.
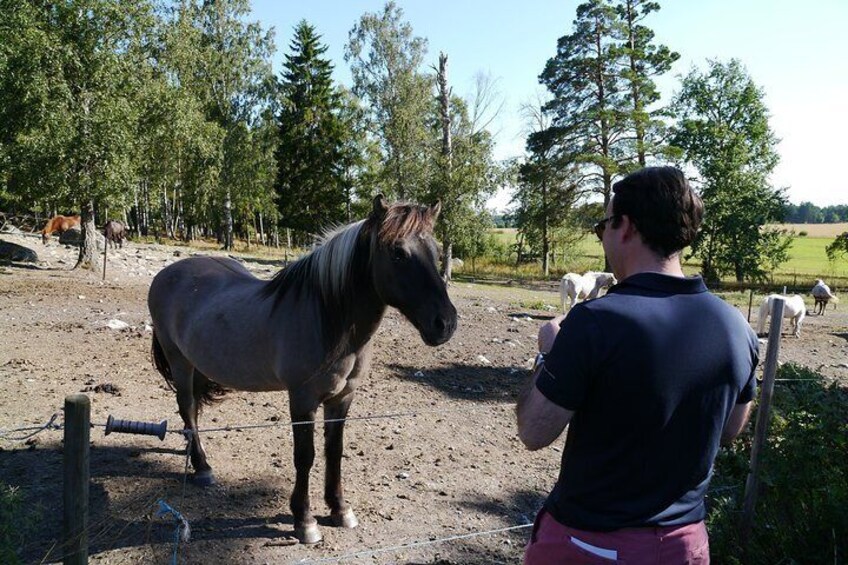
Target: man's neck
pixel 649 262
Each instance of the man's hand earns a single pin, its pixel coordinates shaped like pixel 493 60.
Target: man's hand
pixel 548 333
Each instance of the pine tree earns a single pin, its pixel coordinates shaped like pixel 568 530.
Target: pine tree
pixel 589 101
pixel 643 60
pixel 311 157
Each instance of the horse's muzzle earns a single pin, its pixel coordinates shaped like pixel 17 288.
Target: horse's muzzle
pixel 439 328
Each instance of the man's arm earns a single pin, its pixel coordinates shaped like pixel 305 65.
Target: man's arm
pixel 736 422
pixel 540 421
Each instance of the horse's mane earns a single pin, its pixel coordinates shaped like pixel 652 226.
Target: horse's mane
pixel 327 269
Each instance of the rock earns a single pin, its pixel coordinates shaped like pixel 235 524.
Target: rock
pixel 17 253
pixel 483 360
pixel 72 236
pixel 117 324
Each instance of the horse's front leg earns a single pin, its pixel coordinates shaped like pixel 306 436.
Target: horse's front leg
pixel 340 512
pixel 305 526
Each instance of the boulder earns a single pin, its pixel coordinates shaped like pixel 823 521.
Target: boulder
pixel 17 253
pixel 72 236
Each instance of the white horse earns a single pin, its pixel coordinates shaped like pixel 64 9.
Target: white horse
pixel 793 309
pixel 576 287
pixel 822 295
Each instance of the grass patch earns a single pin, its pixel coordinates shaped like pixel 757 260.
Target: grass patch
pixel 15 522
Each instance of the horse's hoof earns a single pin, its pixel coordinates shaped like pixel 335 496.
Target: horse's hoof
pixel 308 534
pixel 344 519
pixel 203 479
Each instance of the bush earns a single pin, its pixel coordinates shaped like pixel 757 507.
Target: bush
pixel 801 508
pixel 802 233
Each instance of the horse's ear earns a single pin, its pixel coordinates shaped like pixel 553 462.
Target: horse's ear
pixel 435 209
pixel 380 206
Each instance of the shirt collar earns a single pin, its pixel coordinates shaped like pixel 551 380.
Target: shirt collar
pixel 663 283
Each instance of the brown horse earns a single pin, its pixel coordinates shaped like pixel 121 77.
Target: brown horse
pixel 308 331
pixel 59 224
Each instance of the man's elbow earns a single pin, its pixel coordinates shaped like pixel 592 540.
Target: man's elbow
pixel 532 441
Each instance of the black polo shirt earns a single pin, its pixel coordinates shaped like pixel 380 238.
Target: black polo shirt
pixel 652 371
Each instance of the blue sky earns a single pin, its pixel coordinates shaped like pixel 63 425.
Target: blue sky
pixel 796 51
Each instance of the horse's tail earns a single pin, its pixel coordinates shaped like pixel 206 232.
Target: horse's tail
pixel 161 362
pixel 205 391
pixel 761 320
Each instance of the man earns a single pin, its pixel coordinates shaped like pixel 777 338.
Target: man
pixel 651 378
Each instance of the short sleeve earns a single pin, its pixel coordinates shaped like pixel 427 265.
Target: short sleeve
pixel 568 368
pixel 749 389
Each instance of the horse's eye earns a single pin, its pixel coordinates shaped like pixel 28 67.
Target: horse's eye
pixel 399 253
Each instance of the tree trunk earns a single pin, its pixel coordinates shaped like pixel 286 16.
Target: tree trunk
pixel 228 221
pixel 88 246
pixel 447 155
pixel 447 254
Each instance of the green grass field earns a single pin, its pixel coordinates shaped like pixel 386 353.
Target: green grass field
pixel 807 258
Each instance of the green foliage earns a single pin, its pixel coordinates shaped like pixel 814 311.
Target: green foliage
pixel 839 247
pixel 723 131
pixel 385 59
pixel 67 116
pixel 800 514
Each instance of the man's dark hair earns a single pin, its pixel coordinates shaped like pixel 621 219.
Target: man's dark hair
pixel 662 205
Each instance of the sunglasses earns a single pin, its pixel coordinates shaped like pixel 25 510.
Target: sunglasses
pixel 602 225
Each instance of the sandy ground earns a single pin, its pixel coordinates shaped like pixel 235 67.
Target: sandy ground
pixel 454 468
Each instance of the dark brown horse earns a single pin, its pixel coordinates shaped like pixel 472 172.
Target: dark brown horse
pixel 308 331
pixel 115 233
pixel 59 224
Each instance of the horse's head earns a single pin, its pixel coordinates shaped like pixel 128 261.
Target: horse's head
pixel 403 262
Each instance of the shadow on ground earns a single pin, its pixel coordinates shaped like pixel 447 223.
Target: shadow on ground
pixel 468 382
pixel 127 518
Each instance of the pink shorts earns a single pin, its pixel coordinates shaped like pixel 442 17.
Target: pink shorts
pixel 552 543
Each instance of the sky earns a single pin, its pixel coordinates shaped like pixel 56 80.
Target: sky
pixel 797 52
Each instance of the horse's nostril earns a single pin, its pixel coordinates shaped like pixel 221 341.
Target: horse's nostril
pixel 439 324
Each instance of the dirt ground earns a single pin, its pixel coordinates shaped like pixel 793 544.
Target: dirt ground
pixel 453 468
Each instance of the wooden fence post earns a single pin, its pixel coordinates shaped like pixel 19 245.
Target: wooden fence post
pixel 750 305
pixel 763 413
pixel 75 457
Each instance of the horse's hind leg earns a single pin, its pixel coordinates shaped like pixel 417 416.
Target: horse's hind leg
pixel 189 402
pixel 305 526
pixel 340 512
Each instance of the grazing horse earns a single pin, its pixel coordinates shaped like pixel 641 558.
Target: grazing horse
pixel 115 233
pixel 59 224
pixel 793 309
pixel 308 331
pixel 576 287
pixel 822 295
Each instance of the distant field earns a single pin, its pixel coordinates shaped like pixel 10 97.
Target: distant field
pixel 807 257
pixel 815 230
